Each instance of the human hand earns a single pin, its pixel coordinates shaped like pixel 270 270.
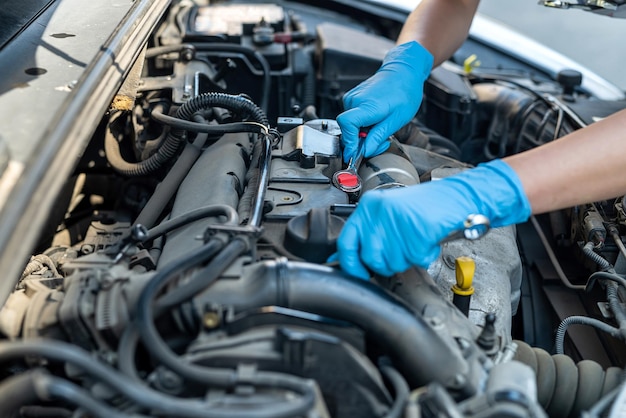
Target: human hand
pixel 386 101
pixel 392 230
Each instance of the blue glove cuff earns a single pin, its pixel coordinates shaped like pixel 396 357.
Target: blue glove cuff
pixel 502 198
pixel 412 54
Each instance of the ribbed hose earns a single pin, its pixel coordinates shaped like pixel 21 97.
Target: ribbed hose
pixel 170 147
pixel 588 251
pixel 165 153
pixel 611 288
pixel 581 320
pixel 234 103
pixel 564 388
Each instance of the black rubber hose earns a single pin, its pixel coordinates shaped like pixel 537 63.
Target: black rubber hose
pixel 141 395
pixel 168 49
pixel 251 54
pixel 212 376
pixel 417 350
pixel 170 184
pixel 175 138
pixel 38 385
pixel 401 391
pixel 564 388
pixel 581 320
pixel 605 275
pixel 165 153
pixel 170 225
pixel 239 104
pixel 224 128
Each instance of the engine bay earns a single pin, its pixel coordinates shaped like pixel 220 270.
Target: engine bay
pixel 186 271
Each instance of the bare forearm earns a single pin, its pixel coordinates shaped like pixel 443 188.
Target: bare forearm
pixel 583 167
pixel 440 26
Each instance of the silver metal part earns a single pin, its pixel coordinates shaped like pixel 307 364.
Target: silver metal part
pixel 474 227
pixel 356 188
pixel 387 170
pixel 352 169
pixel 497 258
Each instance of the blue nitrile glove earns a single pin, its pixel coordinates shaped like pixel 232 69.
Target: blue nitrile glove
pixel 386 101
pixel 392 230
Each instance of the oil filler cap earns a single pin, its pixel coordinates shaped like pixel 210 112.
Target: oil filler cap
pixel 313 236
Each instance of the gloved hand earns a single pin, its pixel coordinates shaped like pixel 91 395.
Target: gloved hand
pixel 392 230
pixel 386 101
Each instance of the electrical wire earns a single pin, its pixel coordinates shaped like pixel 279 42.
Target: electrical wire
pixel 225 378
pixel 552 256
pixel 400 388
pixel 38 385
pixel 187 125
pixel 232 218
pixel 581 320
pixel 141 395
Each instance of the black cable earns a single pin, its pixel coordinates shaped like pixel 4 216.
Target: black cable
pixel 38 385
pixel 203 278
pixel 186 125
pixel 126 350
pixel 144 320
pixel 400 388
pixel 168 49
pixel 141 395
pixel 194 215
pixel 205 375
pixel 605 275
pixel 153 209
pixel 166 151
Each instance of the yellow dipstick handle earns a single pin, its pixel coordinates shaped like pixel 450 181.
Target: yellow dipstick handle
pixel 464 269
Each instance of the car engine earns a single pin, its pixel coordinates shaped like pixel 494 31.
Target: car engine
pixel 189 273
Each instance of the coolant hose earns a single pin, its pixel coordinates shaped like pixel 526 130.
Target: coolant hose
pixel 139 394
pixel 170 184
pixel 564 388
pixel 239 104
pixel 165 153
pixel 422 354
pixel 186 218
pixel 37 385
pixel 175 138
pixel 212 376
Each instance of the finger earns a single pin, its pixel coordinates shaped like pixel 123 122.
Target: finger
pixel 423 256
pixel 350 122
pixel 373 256
pixel 348 252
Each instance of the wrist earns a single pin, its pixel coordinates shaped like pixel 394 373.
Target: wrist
pixel 494 190
pixel 413 55
pixel 500 193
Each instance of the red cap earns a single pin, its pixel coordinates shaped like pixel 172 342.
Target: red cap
pixel 348 180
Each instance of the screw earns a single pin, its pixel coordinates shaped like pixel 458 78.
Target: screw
pixel 87 249
pixel 211 320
